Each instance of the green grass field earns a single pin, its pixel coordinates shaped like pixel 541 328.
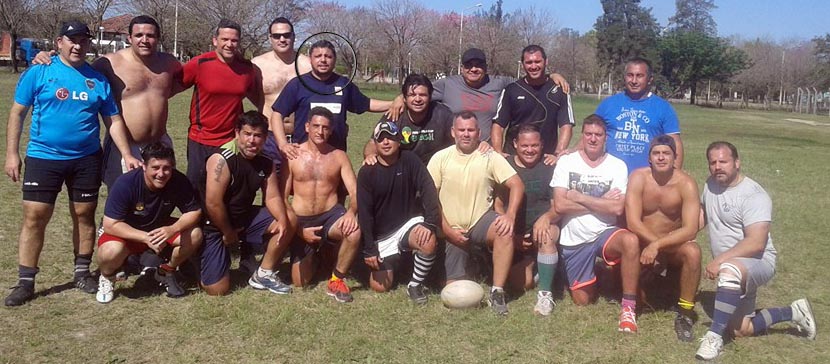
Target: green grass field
pixel 142 326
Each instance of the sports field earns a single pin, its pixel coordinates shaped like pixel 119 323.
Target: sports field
pixel 790 159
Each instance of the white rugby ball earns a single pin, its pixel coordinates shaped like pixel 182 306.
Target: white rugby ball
pixel 462 294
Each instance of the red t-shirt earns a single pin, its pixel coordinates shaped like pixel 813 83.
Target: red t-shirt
pixel 217 96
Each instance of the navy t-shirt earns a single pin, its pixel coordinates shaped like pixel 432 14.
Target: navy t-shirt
pixel 132 202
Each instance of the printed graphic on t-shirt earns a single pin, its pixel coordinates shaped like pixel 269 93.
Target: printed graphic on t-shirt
pixel 414 136
pixel 633 138
pixel 590 185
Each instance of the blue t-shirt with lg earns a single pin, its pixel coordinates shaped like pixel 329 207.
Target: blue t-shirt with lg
pixel 66 102
pixel 631 124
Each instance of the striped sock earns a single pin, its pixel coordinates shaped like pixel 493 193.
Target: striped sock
pixel 82 263
pixel 423 264
pixel 26 276
pixel 770 316
pixel 630 301
pixel 726 301
pixel 546 264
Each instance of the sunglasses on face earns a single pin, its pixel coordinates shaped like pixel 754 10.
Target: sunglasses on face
pixel 277 36
pixel 476 64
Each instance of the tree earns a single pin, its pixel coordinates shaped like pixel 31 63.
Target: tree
pixel 624 30
pixel 13 17
pixel 695 16
pixel 440 48
pixel 350 23
pixel 822 58
pixel 400 22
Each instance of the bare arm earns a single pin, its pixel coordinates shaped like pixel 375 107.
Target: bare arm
pixel 678 161
pixel 349 180
pixel 255 93
pixel 497 137
pixel 376 105
pixel 565 134
pixel 121 229
pixel 273 197
pixel 753 243
pixel 634 208
pixel 13 129
pixel 564 206
pixel 121 137
pixel 689 215
pixel 218 179
pixel 370 153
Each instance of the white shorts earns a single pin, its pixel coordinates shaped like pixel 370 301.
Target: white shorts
pixel 397 241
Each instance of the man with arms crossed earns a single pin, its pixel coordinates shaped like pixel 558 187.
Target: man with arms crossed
pixel 314 178
pixel 237 173
pixel 738 213
pixel 398 212
pixel 636 116
pixel 465 178
pixel 534 99
pixel 662 207
pixel 589 194
pixel 64 148
pixel 137 219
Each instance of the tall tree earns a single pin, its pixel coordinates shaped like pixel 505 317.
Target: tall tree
pixel 694 16
pixel 13 17
pixel 822 57
pixel 400 22
pixel 625 30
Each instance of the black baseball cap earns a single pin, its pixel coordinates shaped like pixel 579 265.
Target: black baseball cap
pixel 473 53
pixel 389 128
pixel 74 27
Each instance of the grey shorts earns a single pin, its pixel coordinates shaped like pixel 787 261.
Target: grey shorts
pixel 455 261
pixel 758 273
pixel 113 165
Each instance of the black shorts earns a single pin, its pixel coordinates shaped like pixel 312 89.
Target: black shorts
pixel 42 178
pixel 197 156
pixel 299 248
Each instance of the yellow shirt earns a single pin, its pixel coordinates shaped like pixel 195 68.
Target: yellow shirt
pixel 465 183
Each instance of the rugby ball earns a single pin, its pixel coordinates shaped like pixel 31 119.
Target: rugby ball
pixel 462 294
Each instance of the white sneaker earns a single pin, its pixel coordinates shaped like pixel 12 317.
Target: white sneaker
pixel 544 303
pixel 105 292
pixel 803 317
pixel 711 345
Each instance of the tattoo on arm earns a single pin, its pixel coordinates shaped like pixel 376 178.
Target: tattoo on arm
pixel 218 170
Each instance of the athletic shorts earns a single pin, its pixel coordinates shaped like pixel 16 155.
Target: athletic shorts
pixel 271 151
pixel 397 242
pixel 216 257
pixel 579 260
pixel 455 262
pixel 299 248
pixel 197 156
pixel 758 273
pixel 114 165
pixel 42 178
pixel 132 246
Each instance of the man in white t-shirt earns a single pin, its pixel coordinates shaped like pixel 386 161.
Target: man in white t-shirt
pixel 589 194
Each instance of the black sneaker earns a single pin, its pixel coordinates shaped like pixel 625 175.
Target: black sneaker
pixel 87 284
pixel 417 294
pixel 683 327
pixel 498 302
pixel 20 295
pixel 171 285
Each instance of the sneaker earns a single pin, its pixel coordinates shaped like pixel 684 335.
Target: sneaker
pixel 544 303
pixel 683 327
pixel 498 302
pixel 339 290
pixel 711 345
pixel 86 284
pixel 20 295
pixel 270 282
pixel 105 292
pixel 417 293
pixel 171 285
pixel 803 317
pixel 628 320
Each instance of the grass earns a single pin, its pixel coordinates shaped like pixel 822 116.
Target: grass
pixel 65 325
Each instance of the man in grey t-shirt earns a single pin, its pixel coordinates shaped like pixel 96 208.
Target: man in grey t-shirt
pixel 738 212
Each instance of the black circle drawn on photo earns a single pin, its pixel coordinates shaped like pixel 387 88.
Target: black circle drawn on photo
pixel 354 64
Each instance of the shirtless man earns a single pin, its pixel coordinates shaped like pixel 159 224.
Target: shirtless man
pixel 662 207
pixel 141 80
pixel 278 67
pixel 314 177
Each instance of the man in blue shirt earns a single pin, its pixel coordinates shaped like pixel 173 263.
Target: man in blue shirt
pixel 64 147
pixel 636 116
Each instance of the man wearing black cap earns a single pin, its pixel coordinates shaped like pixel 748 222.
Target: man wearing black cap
pixel 662 207
pixel 64 147
pixel 476 91
pixel 398 212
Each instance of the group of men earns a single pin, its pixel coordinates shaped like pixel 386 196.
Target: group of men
pixel 431 184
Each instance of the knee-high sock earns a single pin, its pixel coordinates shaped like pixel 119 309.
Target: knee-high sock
pixel 423 264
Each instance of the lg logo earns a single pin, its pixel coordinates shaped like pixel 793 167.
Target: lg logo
pixel 63 94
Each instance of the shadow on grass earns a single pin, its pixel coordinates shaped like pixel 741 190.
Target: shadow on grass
pixel 55 289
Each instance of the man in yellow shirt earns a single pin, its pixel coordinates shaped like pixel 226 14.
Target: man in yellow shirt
pixel 465 179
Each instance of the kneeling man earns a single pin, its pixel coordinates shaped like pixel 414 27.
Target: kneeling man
pixel 137 218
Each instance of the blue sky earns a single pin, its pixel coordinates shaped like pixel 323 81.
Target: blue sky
pixel 779 20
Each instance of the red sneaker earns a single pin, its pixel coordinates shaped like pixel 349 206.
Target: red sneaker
pixel 628 320
pixel 338 289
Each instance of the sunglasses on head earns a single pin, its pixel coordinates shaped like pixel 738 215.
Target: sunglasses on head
pixel 277 36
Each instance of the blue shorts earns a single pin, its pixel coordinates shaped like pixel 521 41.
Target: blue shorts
pixel 299 248
pixel 216 257
pixel 272 151
pixel 579 260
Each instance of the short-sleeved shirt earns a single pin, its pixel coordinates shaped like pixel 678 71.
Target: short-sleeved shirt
pixel 482 101
pixel 247 178
pixel 434 133
pixel 337 94
pixel 631 124
pixel 573 173
pixel 465 183
pixel 731 209
pixel 538 192
pixel 131 201
pixel 389 196
pixel 66 102
pixel 546 106
pixel 218 91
